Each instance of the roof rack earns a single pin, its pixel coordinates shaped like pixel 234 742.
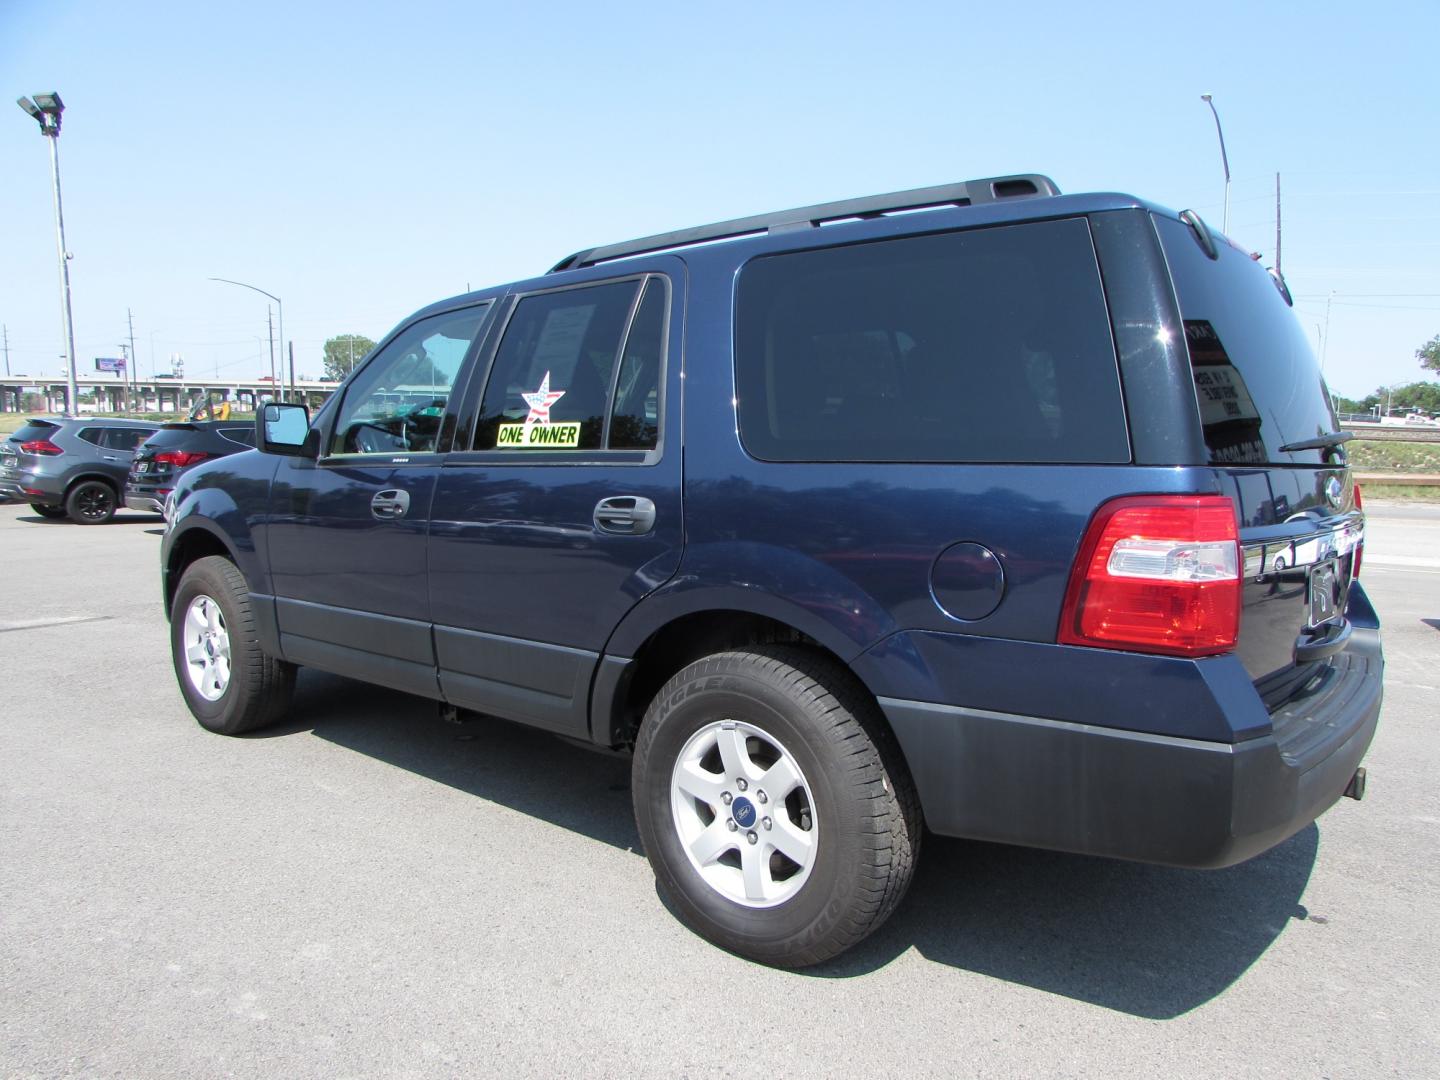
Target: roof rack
pixel 991 189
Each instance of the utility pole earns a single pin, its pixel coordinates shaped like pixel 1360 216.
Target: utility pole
pixel 131 374
pixel 293 393
pixel 270 329
pixel 5 330
pixel 125 375
pixel 1277 223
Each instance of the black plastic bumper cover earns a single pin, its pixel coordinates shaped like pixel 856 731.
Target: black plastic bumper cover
pixel 1153 798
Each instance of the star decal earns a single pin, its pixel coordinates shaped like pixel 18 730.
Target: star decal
pixel 541 400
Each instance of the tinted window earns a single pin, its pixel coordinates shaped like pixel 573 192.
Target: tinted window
pixel 126 439
pixel 89 434
pixel 550 384
pixel 635 419
pixel 396 404
pixel 245 436
pixel 1256 379
pixel 987 345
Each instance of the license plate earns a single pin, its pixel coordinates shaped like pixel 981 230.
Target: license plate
pixel 1325 592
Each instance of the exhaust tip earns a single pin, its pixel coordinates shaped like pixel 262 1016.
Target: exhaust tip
pixel 1356 788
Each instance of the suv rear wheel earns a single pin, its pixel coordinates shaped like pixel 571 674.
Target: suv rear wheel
pixel 230 685
pixel 773 805
pixel 90 502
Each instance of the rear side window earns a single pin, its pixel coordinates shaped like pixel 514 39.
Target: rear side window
pixel 126 438
pixel 550 385
pixel 245 436
pixel 1256 379
pixel 989 345
pixel 90 435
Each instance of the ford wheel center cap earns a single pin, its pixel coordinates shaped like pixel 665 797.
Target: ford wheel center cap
pixel 743 811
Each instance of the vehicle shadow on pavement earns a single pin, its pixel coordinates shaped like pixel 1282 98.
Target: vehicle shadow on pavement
pixel 585 791
pixel 1151 941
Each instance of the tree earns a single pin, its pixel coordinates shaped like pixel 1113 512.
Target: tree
pixel 343 352
pixel 1429 354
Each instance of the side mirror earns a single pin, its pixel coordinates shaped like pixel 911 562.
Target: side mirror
pixel 285 429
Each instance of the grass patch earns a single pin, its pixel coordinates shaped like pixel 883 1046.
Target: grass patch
pixel 1372 455
pixel 1412 493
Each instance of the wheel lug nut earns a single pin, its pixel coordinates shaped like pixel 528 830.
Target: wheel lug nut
pixel 765 822
pixel 751 837
pixel 760 795
pixel 731 825
pixel 741 784
pixel 726 798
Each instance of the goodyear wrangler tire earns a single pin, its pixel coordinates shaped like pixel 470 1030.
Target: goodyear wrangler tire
pixel 773 804
pixel 230 685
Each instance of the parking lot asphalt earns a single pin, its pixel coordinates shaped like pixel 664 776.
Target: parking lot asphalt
pixel 366 891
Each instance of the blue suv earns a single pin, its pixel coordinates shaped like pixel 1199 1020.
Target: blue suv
pixel 1015 515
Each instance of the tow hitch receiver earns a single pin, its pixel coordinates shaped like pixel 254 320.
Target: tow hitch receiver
pixel 1356 788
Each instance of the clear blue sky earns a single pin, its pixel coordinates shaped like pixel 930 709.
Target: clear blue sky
pixel 361 160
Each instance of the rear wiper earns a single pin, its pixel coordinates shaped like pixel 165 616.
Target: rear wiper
pixel 1320 442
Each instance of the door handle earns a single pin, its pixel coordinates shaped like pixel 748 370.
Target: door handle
pixel 390 504
pixel 628 515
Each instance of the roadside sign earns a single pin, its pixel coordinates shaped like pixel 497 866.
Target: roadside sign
pixel 110 363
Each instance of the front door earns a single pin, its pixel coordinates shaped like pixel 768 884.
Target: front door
pixel 565 510
pixel 347 533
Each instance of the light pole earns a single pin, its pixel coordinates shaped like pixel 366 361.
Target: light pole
pixel 1224 160
pixel 279 304
pixel 46 109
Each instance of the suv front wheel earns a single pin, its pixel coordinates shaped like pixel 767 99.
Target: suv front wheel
pixel 773 805
pixel 230 685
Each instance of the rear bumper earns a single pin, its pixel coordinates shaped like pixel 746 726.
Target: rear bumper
pixel 148 503
pixel 16 488
pixel 1133 795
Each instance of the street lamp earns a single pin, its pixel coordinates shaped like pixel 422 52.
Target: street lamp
pixel 46 110
pixel 281 305
pixel 1225 161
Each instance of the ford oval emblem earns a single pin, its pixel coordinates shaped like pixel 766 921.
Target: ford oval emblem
pixel 1333 492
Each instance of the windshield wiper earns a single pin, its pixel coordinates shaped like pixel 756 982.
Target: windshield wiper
pixel 1320 442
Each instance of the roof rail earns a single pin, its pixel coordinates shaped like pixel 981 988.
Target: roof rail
pixel 991 189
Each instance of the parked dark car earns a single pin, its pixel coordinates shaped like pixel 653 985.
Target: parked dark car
pixel 172 449
pixel 1019 515
pixel 71 467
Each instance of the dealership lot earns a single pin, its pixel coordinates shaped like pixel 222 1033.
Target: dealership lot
pixel 369 891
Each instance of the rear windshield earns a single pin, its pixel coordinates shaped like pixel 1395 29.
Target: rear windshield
pixel 1256 379
pixel 35 429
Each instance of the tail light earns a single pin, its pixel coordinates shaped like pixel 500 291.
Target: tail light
pixel 44 447
pixel 1360 547
pixel 179 458
pixel 1157 573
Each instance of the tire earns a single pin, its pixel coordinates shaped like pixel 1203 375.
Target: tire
pixel 90 502
pixel 48 510
pixel 772 889
pixel 230 685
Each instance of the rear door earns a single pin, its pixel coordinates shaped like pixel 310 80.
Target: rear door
pixel 565 509
pixel 1270 433
pixel 347 532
